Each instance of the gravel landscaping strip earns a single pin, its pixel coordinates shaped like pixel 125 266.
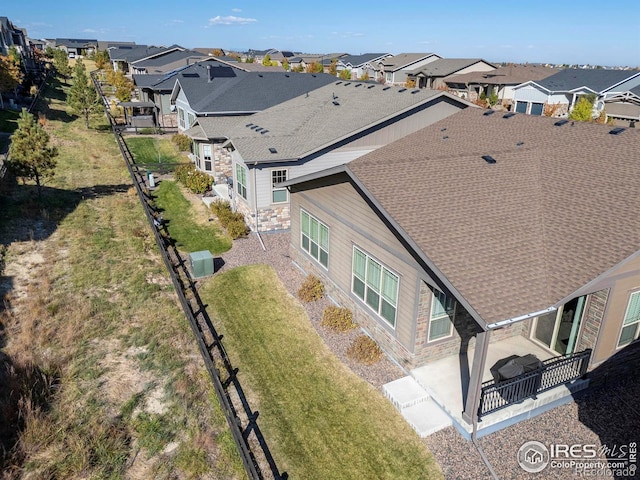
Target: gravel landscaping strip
pixel 600 417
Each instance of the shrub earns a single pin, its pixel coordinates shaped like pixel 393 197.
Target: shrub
pixel 338 319
pixel 198 182
pixel 364 350
pixel 182 172
pixel 311 290
pixel 237 229
pixel 182 141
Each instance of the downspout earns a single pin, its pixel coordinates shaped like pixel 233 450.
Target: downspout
pixel 255 202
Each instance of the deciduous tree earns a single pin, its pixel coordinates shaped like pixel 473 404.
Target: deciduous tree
pixel 345 74
pixel 83 97
pixel 10 76
pixel 30 155
pixel 102 59
pixel 582 110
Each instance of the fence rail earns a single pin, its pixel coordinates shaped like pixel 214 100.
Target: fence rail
pixel 554 372
pixel 242 420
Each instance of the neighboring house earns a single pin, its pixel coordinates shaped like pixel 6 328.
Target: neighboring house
pixel 214 89
pixel 361 66
pixel 432 75
pixel 12 36
pixel 304 60
pixel 500 82
pixel 481 237
pixel 623 109
pixel 77 46
pixel 395 70
pixel 104 45
pixel 123 56
pixel 328 126
pixel 167 61
pixel 563 89
pixel 275 55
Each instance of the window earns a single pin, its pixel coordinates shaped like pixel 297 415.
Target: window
pixel 521 107
pixel 206 156
pixel 389 77
pixel 241 180
pixel 376 285
pixel 631 321
pixel 314 238
pixel 440 321
pixel 181 118
pixel 278 194
pixel 190 117
pixel 536 108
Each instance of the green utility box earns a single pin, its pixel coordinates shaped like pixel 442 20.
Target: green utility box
pixel 201 263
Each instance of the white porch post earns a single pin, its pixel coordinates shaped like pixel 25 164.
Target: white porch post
pixel 470 413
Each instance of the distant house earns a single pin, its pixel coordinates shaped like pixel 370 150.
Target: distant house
pixel 500 81
pixel 432 74
pixel 563 89
pixel 361 66
pixel 623 109
pixel 395 70
pixel 480 240
pixel 76 46
pixel 123 56
pixel 104 45
pixel 275 55
pixel 328 126
pixel 166 61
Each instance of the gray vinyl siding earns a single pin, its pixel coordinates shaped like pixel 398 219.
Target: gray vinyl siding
pixel 351 222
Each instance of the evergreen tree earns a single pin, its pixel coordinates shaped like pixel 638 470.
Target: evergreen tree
pixel 30 155
pixel 583 109
pixel 83 97
pixel 61 62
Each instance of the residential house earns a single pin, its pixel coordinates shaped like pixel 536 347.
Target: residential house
pixel 361 66
pixel 208 89
pixel 76 47
pixel 562 90
pixel 166 61
pixel 12 36
pixel 499 82
pixel 302 61
pixel 432 75
pixel 328 126
pixel 123 56
pixel 478 241
pixel 104 45
pixel 395 70
pixel 275 55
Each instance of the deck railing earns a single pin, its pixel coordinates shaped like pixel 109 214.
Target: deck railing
pixel 554 372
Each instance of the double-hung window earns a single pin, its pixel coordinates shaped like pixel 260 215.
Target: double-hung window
pixel 631 321
pixel 375 285
pixel 278 194
pixel 314 238
pixel 241 181
pixel 181 118
pixel 206 156
pixel 190 119
pixel 440 321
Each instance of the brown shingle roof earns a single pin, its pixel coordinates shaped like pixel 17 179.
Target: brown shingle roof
pixel 509 75
pixel 520 235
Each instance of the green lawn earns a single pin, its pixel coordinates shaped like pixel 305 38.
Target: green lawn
pixel 320 420
pixel 190 236
pixel 155 153
pixel 8 120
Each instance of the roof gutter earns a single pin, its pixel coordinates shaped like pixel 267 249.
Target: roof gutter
pixel 509 321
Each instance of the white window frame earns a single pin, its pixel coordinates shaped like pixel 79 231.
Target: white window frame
pixel 181 118
pixel 207 158
pixel 313 244
pixel 630 319
pixel 274 189
pixel 448 314
pixel 241 180
pixel 190 119
pixel 371 291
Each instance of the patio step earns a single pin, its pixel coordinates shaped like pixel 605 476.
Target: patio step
pixel 415 405
pixel 405 392
pixel 426 418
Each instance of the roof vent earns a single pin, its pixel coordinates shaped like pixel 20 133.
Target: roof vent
pixel 273 150
pixel 509 115
pixel 386 88
pixel 370 86
pixel 347 84
pixel 489 159
pixel 617 131
pixel 260 75
pixel 263 132
pixel 335 102
pixel 255 127
pixel 358 84
pixel 259 129
pixel 402 90
pixel 489 112
pixel 415 91
pixel 562 122
pixel 286 75
pixel 249 125
pixel 519 144
pixel 338 83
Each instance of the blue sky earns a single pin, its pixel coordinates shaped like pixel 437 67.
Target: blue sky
pixel 561 31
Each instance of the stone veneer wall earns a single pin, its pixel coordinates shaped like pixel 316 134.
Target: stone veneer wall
pixel 464 325
pixel 222 165
pixel 592 319
pixel 269 219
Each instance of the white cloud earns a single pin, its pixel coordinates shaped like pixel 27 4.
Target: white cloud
pixel 230 20
pixel 236 10
pixel 89 30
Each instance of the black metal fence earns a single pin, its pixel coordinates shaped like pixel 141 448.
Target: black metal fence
pixel 242 420
pixel 554 372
